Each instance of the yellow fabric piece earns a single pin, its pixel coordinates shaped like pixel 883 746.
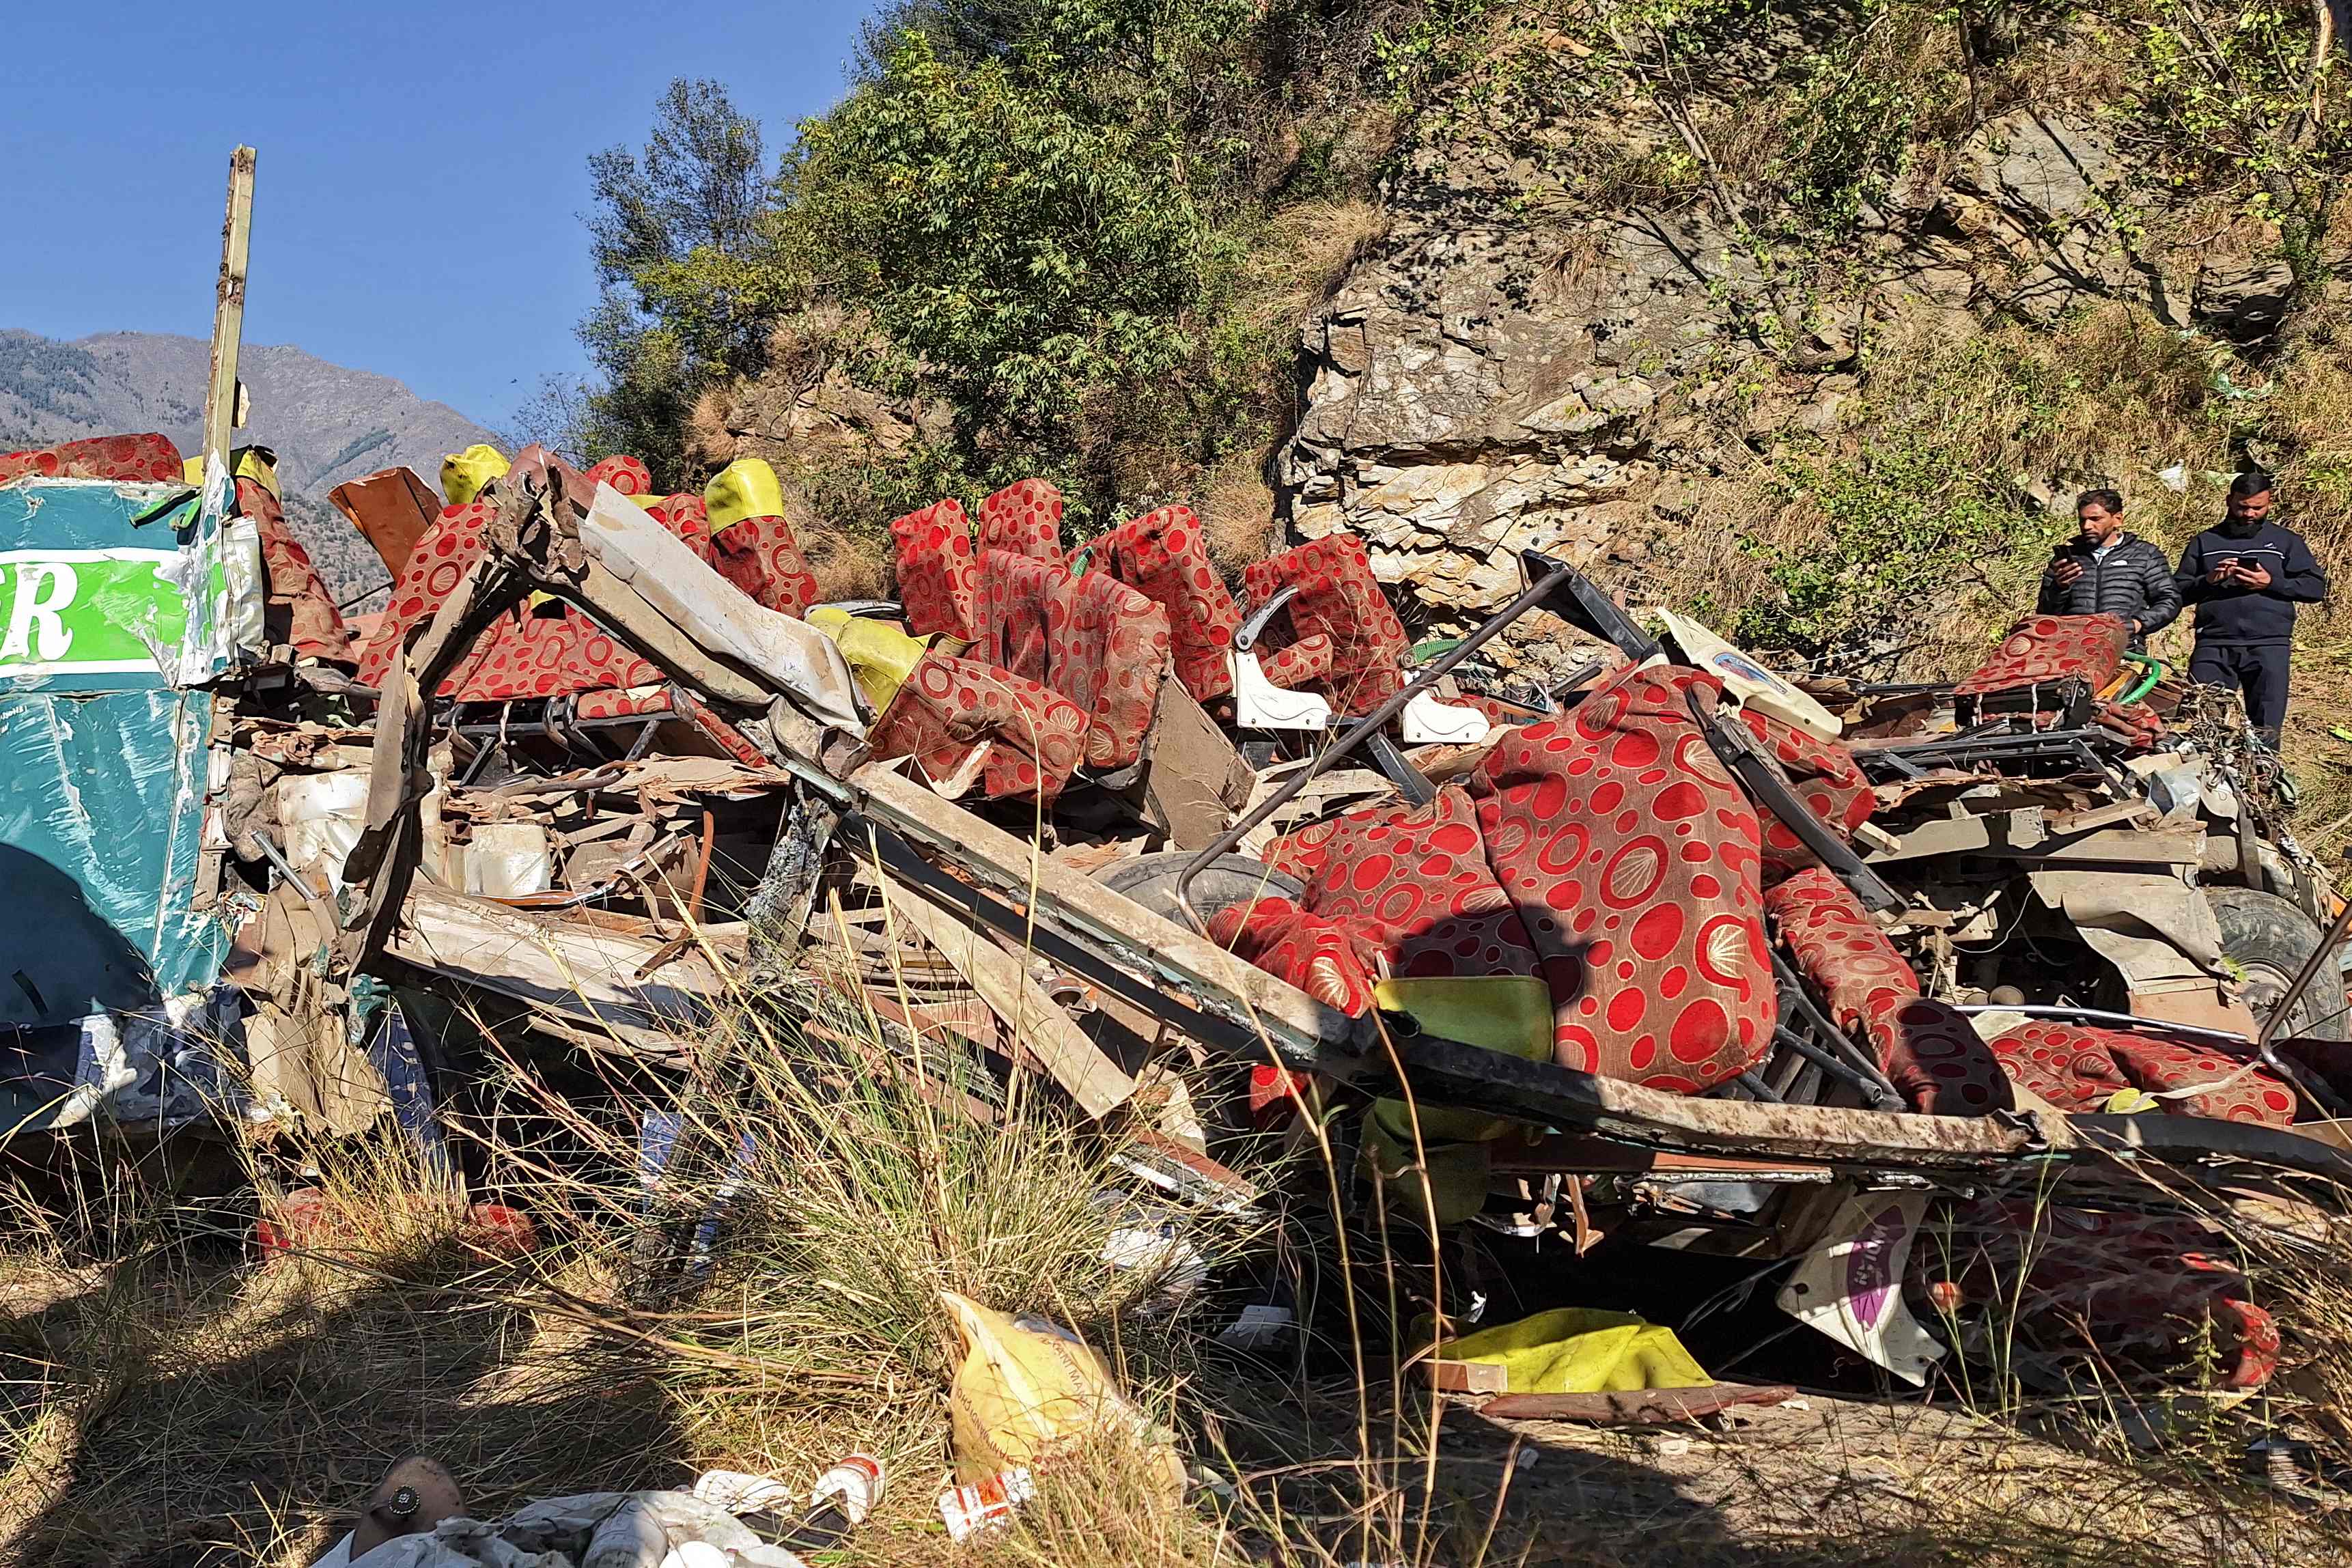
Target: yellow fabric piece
pixel 1505 1013
pixel 746 488
pixel 249 466
pixel 1030 1390
pixel 1459 1168
pixel 1581 1349
pixel 463 474
pixel 880 656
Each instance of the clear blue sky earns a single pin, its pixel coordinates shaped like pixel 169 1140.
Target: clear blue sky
pixel 422 166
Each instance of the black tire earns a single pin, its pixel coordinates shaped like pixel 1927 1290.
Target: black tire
pixel 1150 881
pixel 2269 938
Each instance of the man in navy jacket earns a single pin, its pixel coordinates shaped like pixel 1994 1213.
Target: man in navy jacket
pixel 2245 578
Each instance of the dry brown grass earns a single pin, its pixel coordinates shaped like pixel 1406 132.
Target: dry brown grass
pixel 165 1400
pixel 1237 520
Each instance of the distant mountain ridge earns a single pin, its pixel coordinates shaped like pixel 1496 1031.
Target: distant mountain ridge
pixel 326 422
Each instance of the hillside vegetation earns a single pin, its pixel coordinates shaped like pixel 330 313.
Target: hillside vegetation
pixel 1914 273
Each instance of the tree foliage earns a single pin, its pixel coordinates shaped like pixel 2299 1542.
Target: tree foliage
pixel 1034 212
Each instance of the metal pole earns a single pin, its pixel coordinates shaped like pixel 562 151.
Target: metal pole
pixel 1366 727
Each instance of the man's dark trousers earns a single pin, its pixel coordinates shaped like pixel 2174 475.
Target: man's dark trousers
pixel 2258 669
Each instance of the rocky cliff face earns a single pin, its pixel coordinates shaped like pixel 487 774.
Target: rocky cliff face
pixel 1488 381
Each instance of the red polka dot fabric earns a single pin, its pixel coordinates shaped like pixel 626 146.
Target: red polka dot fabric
pixel 1329 960
pixel 2041 648
pixel 1414 884
pixel 2075 1068
pixel 1825 777
pixel 2137 1291
pixel 636 702
pixel 685 516
pixel 1020 596
pixel 1932 1054
pixel 147 460
pixel 939 572
pixel 627 475
pixel 299 611
pixel 760 556
pixel 1106 649
pixel 1025 518
pixel 1339 598
pixel 1304 663
pixel 2140 725
pixel 436 563
pixel 522 654
pixel 1632 858
pixel 951 714
pixel 1162 556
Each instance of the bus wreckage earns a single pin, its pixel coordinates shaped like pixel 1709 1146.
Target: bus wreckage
pixel 1666 951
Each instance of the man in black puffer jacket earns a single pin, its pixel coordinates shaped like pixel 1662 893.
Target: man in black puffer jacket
pixel 2104 571
pixel 2246 577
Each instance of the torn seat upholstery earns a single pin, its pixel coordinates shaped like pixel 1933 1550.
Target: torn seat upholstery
pixel 1931 1053
pixel 1340 599
pixel 1162 556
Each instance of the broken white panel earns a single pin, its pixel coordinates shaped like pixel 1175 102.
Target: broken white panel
pixel 509 860
pixel 1260 704
pixel 323 813
pixel 1850 1287
pixel 794 657
pixel 1428 722
pixel 1747 683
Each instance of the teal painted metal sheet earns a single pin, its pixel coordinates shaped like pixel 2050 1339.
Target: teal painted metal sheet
pixel 107 626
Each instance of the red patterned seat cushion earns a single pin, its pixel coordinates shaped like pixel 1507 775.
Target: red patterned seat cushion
pixel 1328 959
pixel 1025 518
pixel 685 515
pixel 436 563
pixel 133 459
pixel 528 653
pixel 760 556
pixel 1020 596
pixel 955 715
pixel 2076 1068
pixel 522 654
pixel 2041 648
pixel 1930 1052
pixel 300 612
pixel 1161 555
pixel 939 572
pixel 627 475
pixel 1412 883
pixel 1106 650
pixel 1632 856
pixel 1339 598
pixel 1825 777
pixel 2140 1290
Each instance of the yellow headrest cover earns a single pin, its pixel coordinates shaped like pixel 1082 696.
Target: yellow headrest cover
pixel 879 655
pixel 463 474
pixel 744 487
pixel 250 465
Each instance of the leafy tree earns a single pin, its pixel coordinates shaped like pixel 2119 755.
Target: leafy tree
pixel 688 283
pixel 1014 255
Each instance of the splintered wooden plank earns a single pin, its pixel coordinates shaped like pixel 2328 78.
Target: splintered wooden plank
pixel 1033 1018
pixel 1196 970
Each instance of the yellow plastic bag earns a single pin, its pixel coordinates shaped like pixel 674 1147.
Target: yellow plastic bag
pixel 1581 1349
pixel 1029 1392
pixel 463 474
pixel 880 656
pixel 745 488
